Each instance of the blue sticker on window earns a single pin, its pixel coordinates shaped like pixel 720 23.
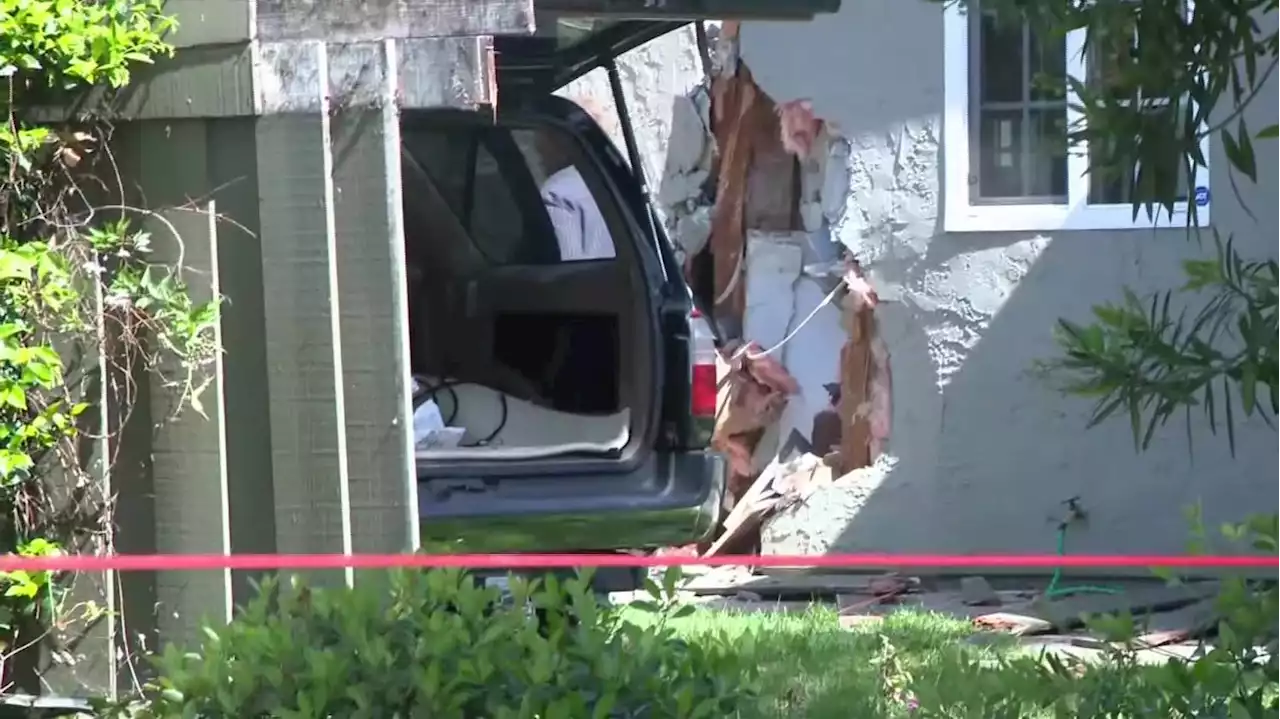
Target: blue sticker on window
pixel 1202 196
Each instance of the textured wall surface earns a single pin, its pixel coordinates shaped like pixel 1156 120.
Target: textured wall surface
pixel 657 76
pixel 984 451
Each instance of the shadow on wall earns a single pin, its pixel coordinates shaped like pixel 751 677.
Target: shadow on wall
pixel 986 452
pixel 985 460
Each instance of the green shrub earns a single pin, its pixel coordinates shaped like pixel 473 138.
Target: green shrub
pixel 434 644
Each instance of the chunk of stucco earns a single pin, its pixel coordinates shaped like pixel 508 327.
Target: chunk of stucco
pixel 824 180
pixel 687 145
pixel 835 179
pixel 693 229
pixel 816 523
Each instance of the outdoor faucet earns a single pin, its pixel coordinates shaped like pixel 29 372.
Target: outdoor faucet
pixel 1074 513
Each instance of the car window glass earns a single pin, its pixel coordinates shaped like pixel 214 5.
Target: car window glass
pixel 569 199
pixel 444 157
pixel 521 195
pixel 497 222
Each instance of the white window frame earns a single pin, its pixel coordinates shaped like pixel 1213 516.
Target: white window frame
pixel 960 214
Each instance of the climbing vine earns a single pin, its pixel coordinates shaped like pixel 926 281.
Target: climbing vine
pixel 85 314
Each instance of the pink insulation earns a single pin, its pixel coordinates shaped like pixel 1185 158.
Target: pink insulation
pixel 800 127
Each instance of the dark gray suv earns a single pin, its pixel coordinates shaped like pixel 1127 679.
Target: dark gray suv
pixel 565 395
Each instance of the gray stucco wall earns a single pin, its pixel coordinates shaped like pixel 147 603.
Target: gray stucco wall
pixel 985 452
pixel 655 76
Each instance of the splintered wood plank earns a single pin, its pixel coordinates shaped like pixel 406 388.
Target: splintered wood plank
pixel 787 585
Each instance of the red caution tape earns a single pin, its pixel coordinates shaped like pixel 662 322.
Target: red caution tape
pixel 205 562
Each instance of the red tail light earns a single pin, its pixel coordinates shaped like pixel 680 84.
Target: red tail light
pixel 702 400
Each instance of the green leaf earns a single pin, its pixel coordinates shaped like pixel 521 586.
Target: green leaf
pixel 1248 387
pixel 1239 151
pixel 1268 133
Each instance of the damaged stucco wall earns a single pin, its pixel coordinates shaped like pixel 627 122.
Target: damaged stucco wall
pixel 982 451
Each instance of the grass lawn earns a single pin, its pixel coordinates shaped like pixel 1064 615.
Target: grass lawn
pixel 812 668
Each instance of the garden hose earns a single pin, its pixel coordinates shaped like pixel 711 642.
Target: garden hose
pixel 1054 590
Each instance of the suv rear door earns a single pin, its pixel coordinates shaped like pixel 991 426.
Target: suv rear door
pixel 672 494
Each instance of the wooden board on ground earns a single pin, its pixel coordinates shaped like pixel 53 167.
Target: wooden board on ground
pixel 782 586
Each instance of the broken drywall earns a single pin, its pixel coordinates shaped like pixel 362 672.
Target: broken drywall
pixel 790 273
pixel 774 264
pixel 773 236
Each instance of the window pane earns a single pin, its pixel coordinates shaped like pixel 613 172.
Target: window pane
pixel 1048 58
pixel 1116 49
pixel 1109 57
pixel 1019 113
pixel 497 224
pixel 1000 154
pixel 444 157
pixel 1048 176
pixel 481 175
pixel 1022 163
pixel 1001 60
pixel 580 231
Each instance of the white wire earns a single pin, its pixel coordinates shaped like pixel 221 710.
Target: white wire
pixel 733 281
pixel 765 353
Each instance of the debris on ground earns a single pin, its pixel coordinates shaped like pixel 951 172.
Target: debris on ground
pixel 777 487
pixel 729 581
pixel 801 528
pixel 1166 612
pixel 1176 620
pixel 977 592
pixel 1013 624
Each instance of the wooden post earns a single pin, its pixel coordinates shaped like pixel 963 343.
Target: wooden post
pixel 270 144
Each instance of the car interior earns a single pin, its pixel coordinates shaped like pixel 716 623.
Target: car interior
pixel 518 353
